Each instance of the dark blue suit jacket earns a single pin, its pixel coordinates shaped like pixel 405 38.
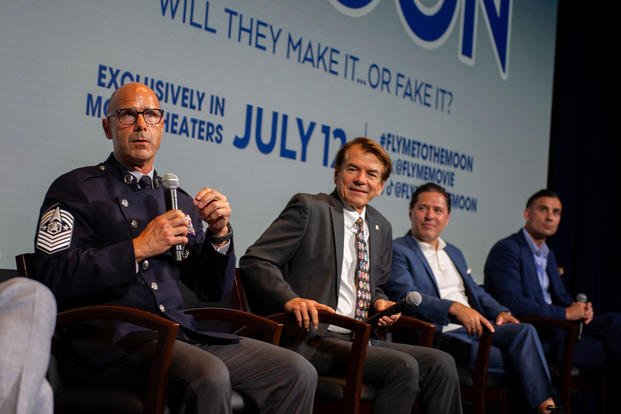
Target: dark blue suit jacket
pixel 511 276
pixel 410 271
pixel 102 211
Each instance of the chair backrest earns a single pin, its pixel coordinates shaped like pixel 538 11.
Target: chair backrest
pixel 413 331
pixel 25 264
pixel 238 295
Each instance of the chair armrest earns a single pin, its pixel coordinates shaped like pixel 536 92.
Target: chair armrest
pixel 360 342
pixel 25 264
pixel 543 322
pixel 247 324
pixel 425 331
pixel 155 395
pixel 479 374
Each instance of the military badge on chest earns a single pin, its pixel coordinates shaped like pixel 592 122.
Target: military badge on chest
pixel 191 232
pixel 188 220
pixel 55 230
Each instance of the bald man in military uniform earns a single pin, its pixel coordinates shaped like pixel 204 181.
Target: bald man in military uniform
pixel 105 237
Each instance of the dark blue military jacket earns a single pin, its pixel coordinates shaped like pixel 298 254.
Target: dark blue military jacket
pixel 84 250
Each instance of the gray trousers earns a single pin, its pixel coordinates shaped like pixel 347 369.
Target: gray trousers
pixel 398 373
pixel 202 377
pixel 27 321
pixel 276 379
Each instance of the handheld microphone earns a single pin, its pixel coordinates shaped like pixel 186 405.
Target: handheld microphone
pixel 409 301
pixel 582 298
pixel 170 182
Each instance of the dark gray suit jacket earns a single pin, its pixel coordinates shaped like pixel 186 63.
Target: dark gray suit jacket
pixel 301 254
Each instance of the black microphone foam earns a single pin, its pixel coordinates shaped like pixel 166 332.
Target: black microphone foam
pixel 170 182
pixel 582 298
pixel 409 301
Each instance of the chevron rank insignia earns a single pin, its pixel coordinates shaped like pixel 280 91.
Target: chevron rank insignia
pixel 55 230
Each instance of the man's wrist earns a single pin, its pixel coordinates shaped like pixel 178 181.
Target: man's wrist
pixel 221 240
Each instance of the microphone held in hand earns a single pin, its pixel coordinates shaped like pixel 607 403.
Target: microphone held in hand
pixel 409 301
pixel 582 298
pixel 170 182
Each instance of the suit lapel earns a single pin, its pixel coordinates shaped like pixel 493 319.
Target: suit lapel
pixel 461 271
pixel 553 276
pixel 374 235
pixel 336 216
pixel 527 258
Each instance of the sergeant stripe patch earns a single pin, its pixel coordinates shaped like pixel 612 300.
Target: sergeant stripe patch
pixel 55 230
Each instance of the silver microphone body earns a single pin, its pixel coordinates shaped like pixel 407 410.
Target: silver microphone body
pixel 170 182
pixel 582 298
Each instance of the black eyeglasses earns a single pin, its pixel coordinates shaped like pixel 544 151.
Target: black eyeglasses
pixel 128 116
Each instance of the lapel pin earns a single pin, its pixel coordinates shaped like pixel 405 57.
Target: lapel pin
pixel 377 227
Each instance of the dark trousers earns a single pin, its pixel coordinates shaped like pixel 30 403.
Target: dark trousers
pixel 606 330
pixel 599 351
pixel 397 372
pixel 516 351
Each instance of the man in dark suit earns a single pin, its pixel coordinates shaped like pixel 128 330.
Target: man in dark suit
pixel 315 256
pixel 425 263
pixel 522 272
pixel 105 237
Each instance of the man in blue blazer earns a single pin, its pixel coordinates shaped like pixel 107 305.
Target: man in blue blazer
pixel 522 272
pixel 423 262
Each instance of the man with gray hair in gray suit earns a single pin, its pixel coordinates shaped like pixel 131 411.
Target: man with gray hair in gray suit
pixel 332 252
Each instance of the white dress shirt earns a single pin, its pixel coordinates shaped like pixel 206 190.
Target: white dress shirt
pixel 449 281
pixel 346 304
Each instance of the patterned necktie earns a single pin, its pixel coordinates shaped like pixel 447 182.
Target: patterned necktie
pixel 361 276
pixel 144 182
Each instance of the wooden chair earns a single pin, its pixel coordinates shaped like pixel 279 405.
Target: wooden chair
pixel 77 398
pixel 344 394
pixel 334 394
pixel 478 387
pixel 99 399
pixel 338 394
pixel 566 376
